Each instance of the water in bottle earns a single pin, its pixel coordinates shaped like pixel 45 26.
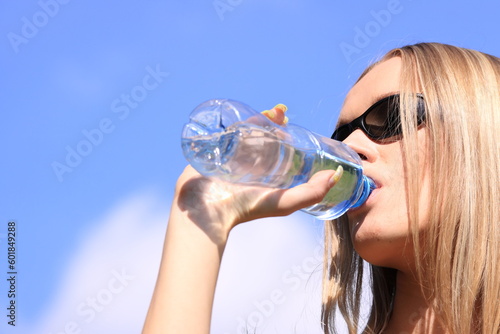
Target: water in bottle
pixel 228 140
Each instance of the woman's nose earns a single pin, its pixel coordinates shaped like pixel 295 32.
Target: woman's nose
pixel 361 144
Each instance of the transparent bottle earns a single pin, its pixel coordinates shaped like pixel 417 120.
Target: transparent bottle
pixel 229 140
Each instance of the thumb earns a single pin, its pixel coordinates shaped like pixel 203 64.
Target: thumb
pixel 290 200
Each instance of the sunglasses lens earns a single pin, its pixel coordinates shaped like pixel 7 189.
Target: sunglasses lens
pixel 342 132
pixel 383 120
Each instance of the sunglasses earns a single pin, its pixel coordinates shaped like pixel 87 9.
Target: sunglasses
pixel 381 120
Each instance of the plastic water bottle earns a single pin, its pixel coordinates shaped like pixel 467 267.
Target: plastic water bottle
pixel 229 140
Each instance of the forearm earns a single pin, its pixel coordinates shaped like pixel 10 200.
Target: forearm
pixel 202 214
pixel 184 292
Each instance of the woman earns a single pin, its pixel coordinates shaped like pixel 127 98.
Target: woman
pixel 430 231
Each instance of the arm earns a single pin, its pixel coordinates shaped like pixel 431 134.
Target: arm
pixel 183 296
pixel 202 215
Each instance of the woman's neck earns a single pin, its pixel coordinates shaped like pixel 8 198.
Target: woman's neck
pixel 412 311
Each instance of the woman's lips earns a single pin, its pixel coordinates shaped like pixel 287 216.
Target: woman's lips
pixel 373 194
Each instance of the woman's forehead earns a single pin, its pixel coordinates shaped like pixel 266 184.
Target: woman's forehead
pixel 381 81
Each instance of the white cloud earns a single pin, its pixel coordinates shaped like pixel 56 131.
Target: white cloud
pixel 270 278
pixel 265 279
pixel 107 286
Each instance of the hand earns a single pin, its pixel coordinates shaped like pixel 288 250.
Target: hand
pixel 277 114
pixel 217 206
pixel 201 217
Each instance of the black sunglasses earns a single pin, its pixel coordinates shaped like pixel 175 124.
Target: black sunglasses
pixel 381 120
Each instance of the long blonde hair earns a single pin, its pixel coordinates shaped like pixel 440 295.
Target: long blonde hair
pixel 458 259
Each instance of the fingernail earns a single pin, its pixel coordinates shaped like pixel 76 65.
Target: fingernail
pixel 269 113
pixel 336 177
pixel 282 107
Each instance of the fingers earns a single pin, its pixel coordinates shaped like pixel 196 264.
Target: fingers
pixel 286 201
pixel 336 177
pixel 313 191
pixel 241 203
pixel 277 114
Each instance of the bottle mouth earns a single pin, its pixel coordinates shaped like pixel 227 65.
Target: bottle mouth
pixel 368 185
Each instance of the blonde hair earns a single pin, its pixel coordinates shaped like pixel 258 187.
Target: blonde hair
pixel 458 258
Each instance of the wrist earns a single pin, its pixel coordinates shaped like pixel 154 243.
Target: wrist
pixel 192 252
pixel 215 226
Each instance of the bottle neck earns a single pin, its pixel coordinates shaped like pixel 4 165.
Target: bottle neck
pixel 367 186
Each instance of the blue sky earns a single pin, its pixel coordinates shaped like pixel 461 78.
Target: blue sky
pixel 93 99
